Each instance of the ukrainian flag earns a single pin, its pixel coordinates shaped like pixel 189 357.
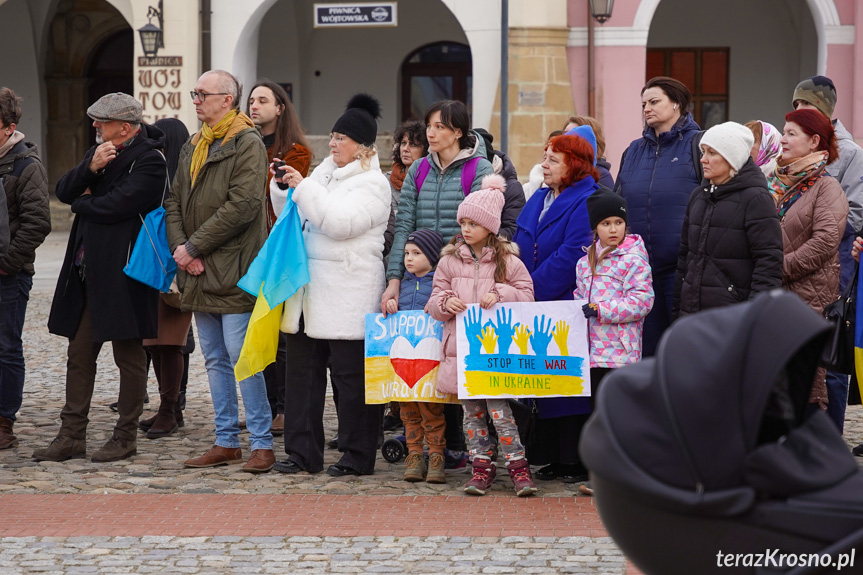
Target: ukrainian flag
pixel 278 271
pixel 858 331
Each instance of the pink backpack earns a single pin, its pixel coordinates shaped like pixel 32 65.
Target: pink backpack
pixel 468 173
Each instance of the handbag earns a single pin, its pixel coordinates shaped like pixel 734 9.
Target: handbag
pixel 151 262
pixel 838 354
pixel 173 297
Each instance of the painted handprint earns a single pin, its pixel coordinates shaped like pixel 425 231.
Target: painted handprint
pixel 541 335
pixel 473 330
pixel 488 339
pixel 561 335
pixel 505 330
pixel 521 337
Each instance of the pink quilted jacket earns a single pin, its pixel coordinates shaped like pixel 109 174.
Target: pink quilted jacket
pixel 623 291
pixel 459 275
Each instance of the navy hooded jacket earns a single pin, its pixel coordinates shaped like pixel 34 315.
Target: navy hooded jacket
pixel 656 178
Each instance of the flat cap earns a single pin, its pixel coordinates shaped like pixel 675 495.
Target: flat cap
pixel 117 106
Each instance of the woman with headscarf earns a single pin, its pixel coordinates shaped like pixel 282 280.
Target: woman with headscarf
pixel 345 203
pixel 767 147
pixel 657 175
pixel 812 211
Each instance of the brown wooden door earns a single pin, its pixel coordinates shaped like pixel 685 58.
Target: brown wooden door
pixel 705 73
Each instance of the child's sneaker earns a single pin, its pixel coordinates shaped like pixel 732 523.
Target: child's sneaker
pixel 519 472
pixel 454 459
pixel 483 476
pixel 436 467
pixel 415 467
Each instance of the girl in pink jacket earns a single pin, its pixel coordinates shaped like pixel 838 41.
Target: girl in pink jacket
pixel 478 267
pixel 616 281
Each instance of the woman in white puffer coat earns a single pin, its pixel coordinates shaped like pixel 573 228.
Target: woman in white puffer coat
pixel 344 205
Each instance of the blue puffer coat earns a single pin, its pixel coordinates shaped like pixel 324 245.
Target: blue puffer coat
pixel 656 177
pixel 415 292
pixel 550 249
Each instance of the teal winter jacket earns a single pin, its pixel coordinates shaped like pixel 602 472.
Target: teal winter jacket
pixel 436 206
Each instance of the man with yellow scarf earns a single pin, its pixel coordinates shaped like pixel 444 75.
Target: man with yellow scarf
pixel 216 225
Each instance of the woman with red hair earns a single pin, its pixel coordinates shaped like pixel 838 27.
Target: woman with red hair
pixel 551 232
pixel 812 211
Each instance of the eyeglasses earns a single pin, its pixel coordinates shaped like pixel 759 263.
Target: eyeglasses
pixel 337 137
pixel 203 95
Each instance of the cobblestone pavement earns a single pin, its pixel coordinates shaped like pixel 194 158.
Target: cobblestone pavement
pixel 158 469
pixel 310 555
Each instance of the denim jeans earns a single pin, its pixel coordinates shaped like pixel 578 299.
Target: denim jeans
pixel 837 383
pixel 221 337
pixel 14 293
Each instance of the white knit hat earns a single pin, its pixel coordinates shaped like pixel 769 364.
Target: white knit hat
pixel 733 141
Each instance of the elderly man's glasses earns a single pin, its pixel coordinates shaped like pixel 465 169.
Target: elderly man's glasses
pixel 203 95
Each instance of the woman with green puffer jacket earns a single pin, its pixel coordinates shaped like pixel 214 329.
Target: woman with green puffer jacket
pixel 454 149
pixel 452 146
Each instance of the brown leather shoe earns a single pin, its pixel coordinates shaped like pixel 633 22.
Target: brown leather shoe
pixel 261 461
pixel 217 455
pixel 8 439
pixel 278 427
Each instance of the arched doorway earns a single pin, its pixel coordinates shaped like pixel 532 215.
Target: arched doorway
pixel 439 71
pixel 89 50
pixel 741 62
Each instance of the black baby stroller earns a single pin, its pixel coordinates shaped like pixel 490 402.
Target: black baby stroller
pixel 705 459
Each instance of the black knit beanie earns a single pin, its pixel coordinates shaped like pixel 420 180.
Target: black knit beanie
pixel 429 242
pixel 359 122
pixel 604 204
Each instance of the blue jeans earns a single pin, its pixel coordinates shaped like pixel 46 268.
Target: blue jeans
pixel 14 294
pixel 221 337
pixel 837 383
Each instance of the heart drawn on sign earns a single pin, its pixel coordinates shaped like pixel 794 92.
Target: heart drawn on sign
pixel 412 363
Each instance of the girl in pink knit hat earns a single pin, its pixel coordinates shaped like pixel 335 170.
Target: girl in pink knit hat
pixel 478 267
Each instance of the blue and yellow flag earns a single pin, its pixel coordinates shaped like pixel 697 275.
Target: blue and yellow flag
pixel 278 271
pixel 858 332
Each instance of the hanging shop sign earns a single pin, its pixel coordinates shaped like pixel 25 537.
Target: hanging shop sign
pixel 360 14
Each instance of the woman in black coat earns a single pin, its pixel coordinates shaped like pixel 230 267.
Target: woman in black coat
pixel 731 244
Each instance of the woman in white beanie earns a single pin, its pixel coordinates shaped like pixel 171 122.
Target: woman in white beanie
pixel 731 244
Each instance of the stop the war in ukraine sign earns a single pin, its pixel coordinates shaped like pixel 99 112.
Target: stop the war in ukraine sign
pixel 534 349
pixel 403 352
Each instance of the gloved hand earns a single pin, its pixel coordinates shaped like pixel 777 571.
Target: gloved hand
pixel 590 310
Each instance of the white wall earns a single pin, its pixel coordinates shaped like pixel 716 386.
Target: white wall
pixel 21 73
pixel 349 60
pixel 773 46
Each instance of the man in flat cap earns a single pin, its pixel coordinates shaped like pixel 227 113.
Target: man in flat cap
pixel 118 182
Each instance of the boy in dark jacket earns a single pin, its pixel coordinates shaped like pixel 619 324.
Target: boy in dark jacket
pixel 422 420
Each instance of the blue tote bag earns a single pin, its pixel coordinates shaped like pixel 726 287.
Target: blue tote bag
pixel 151 262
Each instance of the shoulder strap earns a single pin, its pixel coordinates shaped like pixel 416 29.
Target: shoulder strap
pixel 422 172
pixel 468 173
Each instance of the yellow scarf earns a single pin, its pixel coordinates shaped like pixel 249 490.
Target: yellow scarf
pixel 209 135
